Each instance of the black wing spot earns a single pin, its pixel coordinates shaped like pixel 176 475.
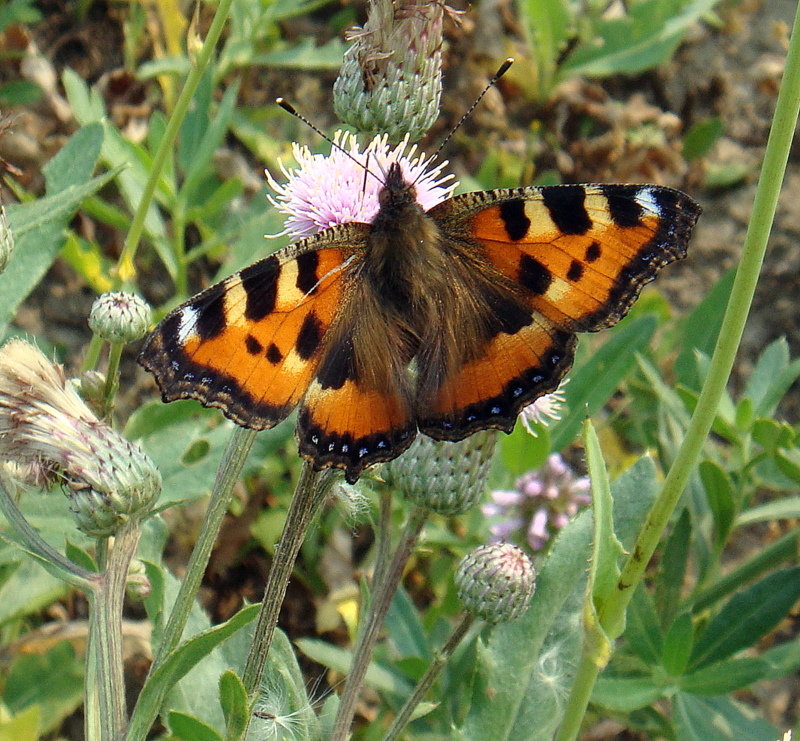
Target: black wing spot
pixel 307 278
pixel 534 276
pixel 254 347
pixel 593 252
pixel 566 204
pixel 625 211
pixel 273 354
pixel 309 337
pixel 211 313
pixel 260 284
pixel 575 272
pixel 515 220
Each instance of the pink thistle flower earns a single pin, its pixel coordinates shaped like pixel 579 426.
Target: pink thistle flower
pixel 325 190
pixel 542 504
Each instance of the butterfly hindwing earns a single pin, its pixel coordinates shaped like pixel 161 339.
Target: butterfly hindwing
pixel 250 345
pixel 490 391
pixel 581 252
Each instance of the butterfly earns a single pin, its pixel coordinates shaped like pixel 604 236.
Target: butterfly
pixel 442 322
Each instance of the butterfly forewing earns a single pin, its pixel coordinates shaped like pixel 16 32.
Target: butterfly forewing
pixel 581 252
pixel 251 344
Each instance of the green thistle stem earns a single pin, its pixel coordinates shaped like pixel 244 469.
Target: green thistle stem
pixel 368 632
pixel 755 245
pixel 233 459
pixel 437 664
pixel 308 496
pixel 92 353
pixel 104 676
pixel 112 376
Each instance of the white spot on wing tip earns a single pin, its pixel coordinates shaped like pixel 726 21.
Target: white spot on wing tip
pixel 647 199
pixel 187 324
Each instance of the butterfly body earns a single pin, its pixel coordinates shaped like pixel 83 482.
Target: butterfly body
pixel 446 322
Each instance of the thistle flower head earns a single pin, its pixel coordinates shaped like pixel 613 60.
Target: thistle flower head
pixel 544 410
pixel 443 477
pixel 541 504
pixel 322 191
pixel 496 582
pixel 391 76
pixel 46 426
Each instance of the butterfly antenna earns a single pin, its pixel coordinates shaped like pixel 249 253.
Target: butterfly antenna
pixel 495 77
pixel 289 108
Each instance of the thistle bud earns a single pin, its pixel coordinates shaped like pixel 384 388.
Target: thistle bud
pixel 443 477
pixel 120 317
pixel 43 422
pixel 391 77
pixel 496 582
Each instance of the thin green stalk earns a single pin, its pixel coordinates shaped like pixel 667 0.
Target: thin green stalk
pixel 125 267
pixel 106 680
pixel 755 244
pixel 112 376
pixel 426 681
pixel 233 459
pixel 368 633
pixel 92 353
pixel 308 496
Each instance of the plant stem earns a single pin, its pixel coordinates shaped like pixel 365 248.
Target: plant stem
pixel 125 267
pixel 755 244
pixel 439 660
pixel 308 496
pixel 112 373
pixel 368 633
pixel 233 459
pixel 106 680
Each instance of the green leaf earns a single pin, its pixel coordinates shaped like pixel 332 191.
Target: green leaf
pixel 788 463
pixel 522 452
pixel 186 657
pixel 38 228
pixel 717 718
pixel 524 667
pixel 642 629
pixel 53 681
pixel 701 137
pixel 404 627
pixel 548 24
pixel 719 492
pixel 187 728
pixel 701 331
pixel 640 40
pixel 771 434
pixel 747 616
pixel 24 726
pixel 672 568
pixel 75 162
pixel 378 676
pixel 606 549
pixel 625 694
pixel 786 508
pixel 593 384
pixel 725 676
pixel 27 589
pixel 305 55
pixel 235 708
pixel 678 645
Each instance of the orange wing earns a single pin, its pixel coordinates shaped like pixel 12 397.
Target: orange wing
pixel 582 253
pixel 572 258
pixel 489 392
pixel 251 344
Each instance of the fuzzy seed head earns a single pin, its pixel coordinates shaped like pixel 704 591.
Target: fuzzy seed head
pixel 46 426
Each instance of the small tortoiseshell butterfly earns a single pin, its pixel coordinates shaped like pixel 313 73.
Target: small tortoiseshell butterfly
pixel 446 321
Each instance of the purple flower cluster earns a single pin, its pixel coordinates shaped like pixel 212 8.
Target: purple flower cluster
pixel 541 504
